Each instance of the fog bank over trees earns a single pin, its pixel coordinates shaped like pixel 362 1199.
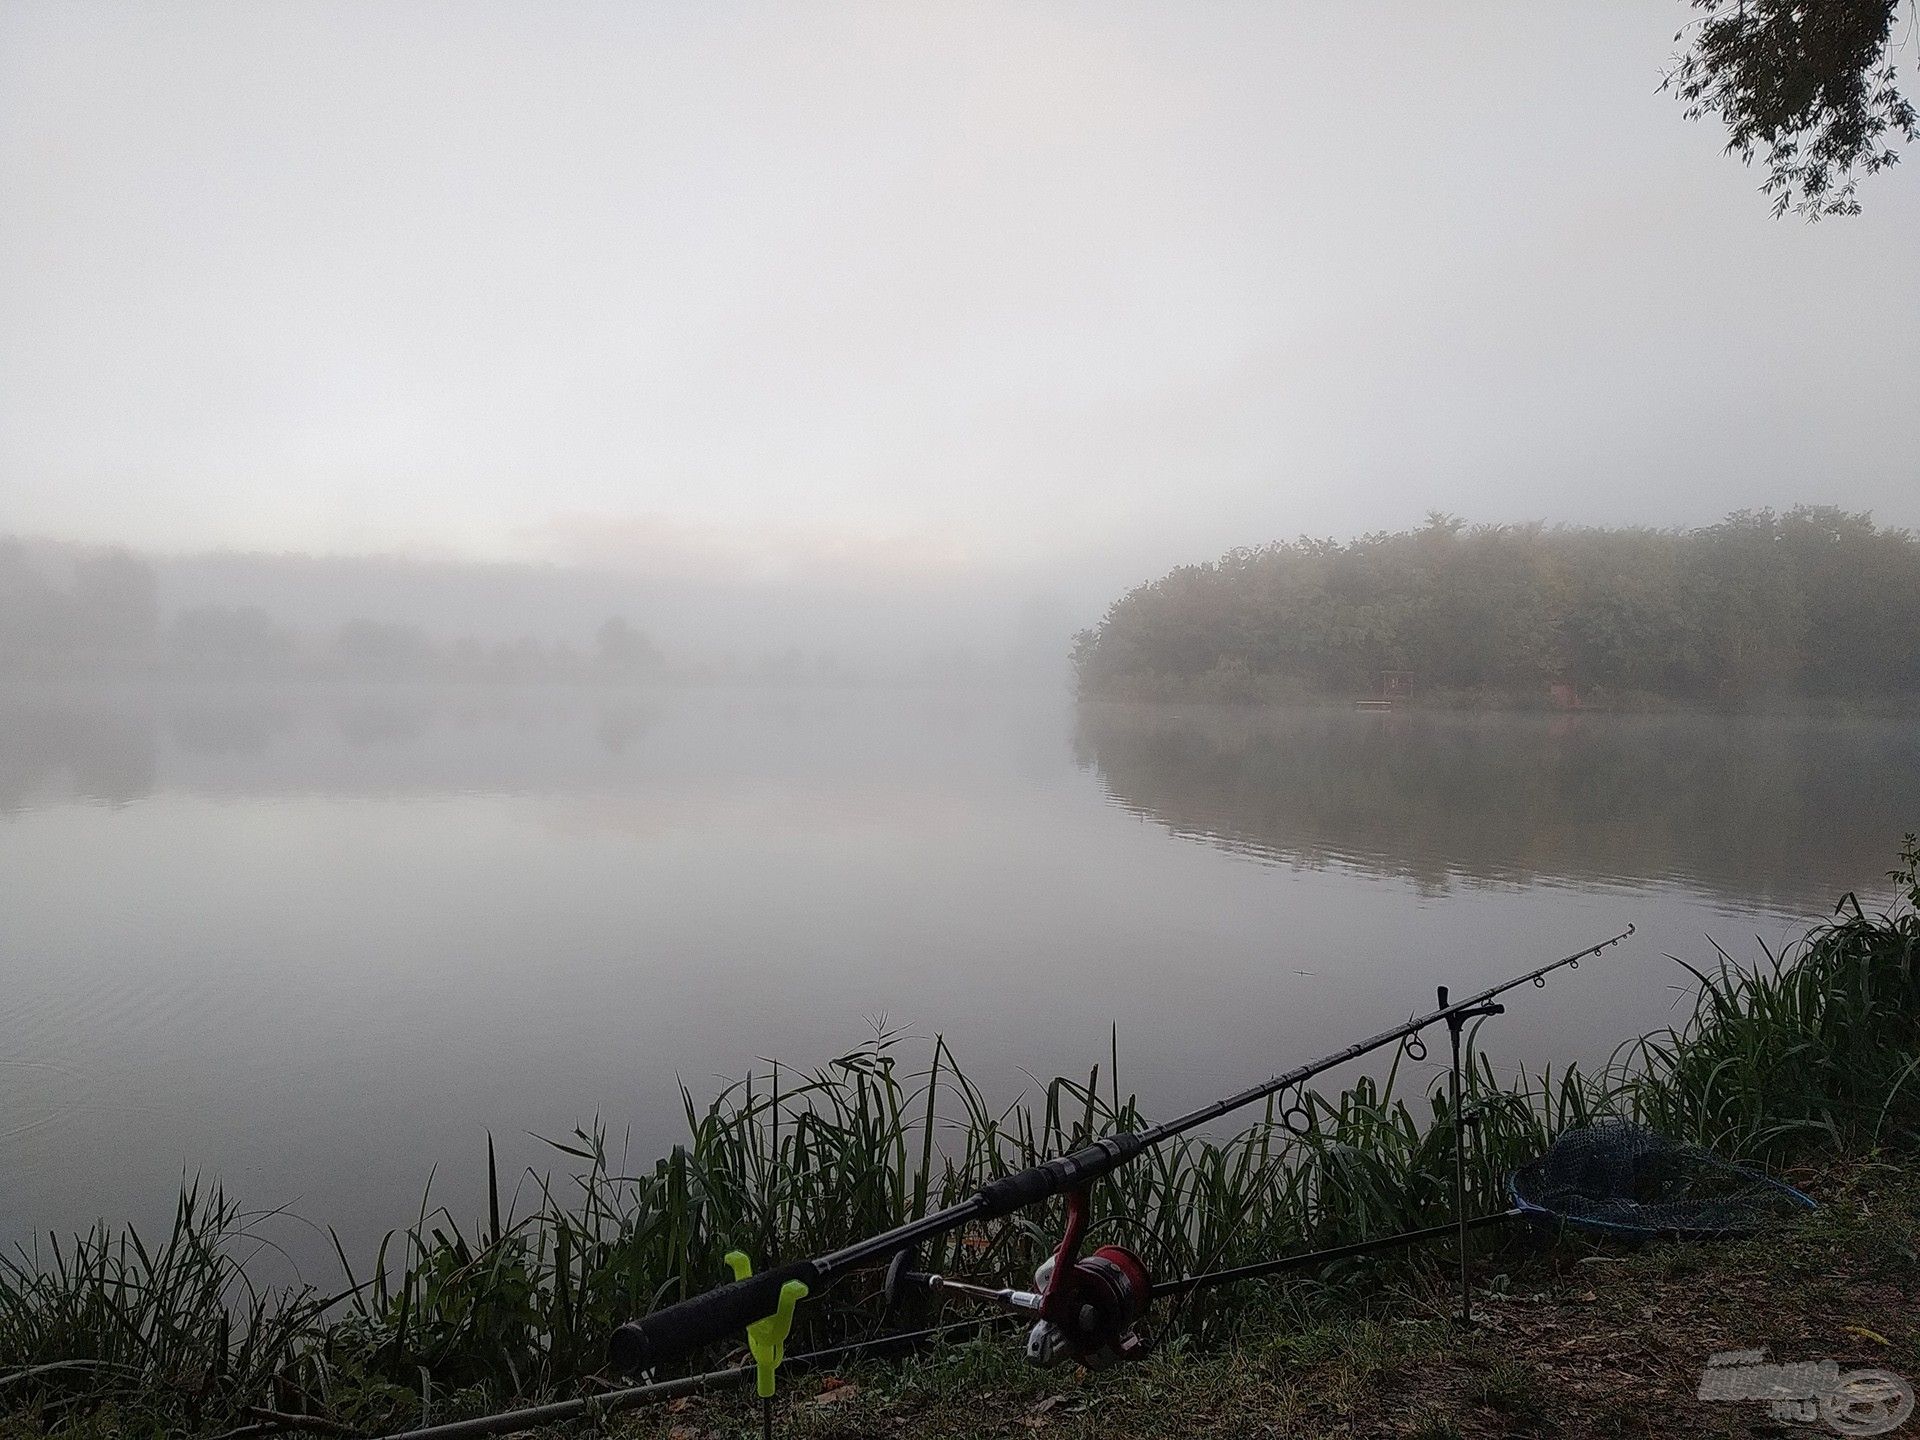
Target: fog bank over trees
pixel 1816 602
pixel 69 609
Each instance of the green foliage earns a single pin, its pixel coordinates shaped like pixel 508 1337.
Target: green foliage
pixel 1812 1053
pixel 175 1328
pixel 1813 602
pixel 1813 83
pixel 1817 1047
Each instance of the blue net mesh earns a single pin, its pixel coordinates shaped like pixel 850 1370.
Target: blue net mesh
pixel 1624 1178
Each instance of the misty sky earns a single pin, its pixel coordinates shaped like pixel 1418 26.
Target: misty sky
pixel 892 290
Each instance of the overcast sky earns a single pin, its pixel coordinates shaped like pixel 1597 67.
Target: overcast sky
pixel 879 289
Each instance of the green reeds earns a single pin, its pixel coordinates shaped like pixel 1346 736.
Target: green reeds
pixel 175 1327
pixel 1816 1048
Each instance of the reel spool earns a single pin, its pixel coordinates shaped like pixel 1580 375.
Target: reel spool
pixel 1086 1308
pixel 1091 1311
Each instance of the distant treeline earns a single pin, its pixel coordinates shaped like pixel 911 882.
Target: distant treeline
pixel 1813 602
pixel 99 613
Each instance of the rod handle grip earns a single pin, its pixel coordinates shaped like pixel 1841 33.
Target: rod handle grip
pixel 1067 1172
pixel 719 1314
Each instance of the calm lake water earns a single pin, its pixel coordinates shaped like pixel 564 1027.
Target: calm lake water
pixel 317 942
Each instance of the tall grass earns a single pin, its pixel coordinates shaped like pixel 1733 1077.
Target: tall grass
pixel 1816 1047
pixel 176 1326
pixel 1813 1050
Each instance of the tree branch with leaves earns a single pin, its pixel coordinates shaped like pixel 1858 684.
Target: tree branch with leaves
pixel 1813 83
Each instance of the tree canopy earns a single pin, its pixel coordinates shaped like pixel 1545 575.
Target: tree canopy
pixel 1816 601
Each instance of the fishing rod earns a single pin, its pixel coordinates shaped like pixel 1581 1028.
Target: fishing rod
pixel 1094 1301
pixel 1086 1306
pixel 899 1283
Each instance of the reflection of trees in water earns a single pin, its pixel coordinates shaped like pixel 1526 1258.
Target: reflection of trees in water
pixel 1759 809
pixel 102 754
pixel 115 745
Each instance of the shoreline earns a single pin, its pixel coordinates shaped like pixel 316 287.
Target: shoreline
pixel 1510 703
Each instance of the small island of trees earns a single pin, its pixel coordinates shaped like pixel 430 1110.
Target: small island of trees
pixel 1817 602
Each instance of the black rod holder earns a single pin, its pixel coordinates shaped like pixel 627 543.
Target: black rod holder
pixel 1456 1022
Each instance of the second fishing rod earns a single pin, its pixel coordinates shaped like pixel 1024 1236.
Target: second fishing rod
pixel 676 1330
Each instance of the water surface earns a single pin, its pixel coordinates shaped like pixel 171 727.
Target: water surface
pixel 315 942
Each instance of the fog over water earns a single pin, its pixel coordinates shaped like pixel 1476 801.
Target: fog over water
pixel 540 547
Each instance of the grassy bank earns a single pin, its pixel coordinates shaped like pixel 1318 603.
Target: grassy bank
pixel 1805 1058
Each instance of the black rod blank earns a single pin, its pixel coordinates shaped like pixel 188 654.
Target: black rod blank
pixel 1263 1268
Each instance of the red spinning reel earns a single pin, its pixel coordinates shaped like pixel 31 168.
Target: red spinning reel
pixel 1088 1308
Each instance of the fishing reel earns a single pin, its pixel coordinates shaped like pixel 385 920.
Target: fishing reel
pixel 1095 1319
pixel 1087 1308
